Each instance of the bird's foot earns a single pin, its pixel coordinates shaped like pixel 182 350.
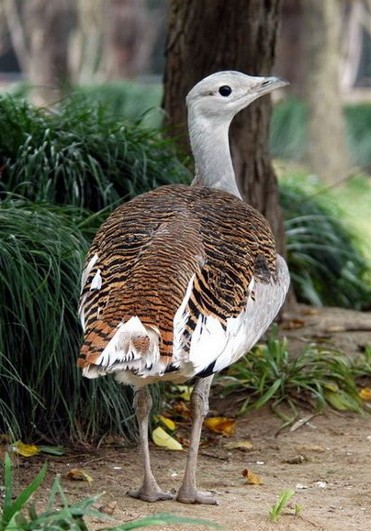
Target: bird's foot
pixel 194 496
pixel 152 494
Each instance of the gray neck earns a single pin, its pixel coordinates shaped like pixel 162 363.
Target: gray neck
pixel 213 162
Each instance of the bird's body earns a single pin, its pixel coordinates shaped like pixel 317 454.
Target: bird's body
pixel 182 281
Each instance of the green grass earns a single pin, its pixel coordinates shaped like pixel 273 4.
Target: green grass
pixel 318 376
pixel 325 251
pixel 276 510
pixel 42 392
pixel 80 155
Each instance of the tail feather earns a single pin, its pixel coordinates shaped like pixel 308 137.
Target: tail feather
pixel 130 346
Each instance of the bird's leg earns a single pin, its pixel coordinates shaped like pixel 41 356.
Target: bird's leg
pixel 188 492
pixel 149 491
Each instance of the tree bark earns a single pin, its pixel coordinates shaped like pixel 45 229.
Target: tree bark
pixel 206 36
pixel 45 24
pixel 326 144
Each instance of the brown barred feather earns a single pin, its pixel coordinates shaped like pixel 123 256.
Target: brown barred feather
pixel 150 247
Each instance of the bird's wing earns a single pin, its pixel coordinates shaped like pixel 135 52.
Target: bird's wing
pixel 235 295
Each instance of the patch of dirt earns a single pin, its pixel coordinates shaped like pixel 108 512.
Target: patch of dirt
pixel 326 460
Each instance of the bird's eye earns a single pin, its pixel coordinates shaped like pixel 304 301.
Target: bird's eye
pixel 225 91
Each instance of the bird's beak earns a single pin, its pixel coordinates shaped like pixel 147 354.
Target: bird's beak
pixel 267 84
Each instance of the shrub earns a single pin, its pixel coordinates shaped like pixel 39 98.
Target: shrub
pixel 80 155
pixel 42 392
pixel 326 264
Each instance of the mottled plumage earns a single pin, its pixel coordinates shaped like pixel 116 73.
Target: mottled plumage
pixel 143 259
pixel 182 281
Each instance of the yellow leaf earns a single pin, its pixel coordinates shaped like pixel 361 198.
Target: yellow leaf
pixel 170 424
pixel 221 425
pixel 186 391
pixel 26 450
pixel 161 438
pixel 77 474
pixel 239 445
pixel 365 394
pixel 251 478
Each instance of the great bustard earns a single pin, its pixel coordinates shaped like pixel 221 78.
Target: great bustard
pixel 182 281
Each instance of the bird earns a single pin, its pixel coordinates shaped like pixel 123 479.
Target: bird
pixel 183 280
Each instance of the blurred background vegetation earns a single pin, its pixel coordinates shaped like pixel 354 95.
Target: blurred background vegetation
pixel 81 130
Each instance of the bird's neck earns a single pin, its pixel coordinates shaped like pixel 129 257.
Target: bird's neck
pixel 213 162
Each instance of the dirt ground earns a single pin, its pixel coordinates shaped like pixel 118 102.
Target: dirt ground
pixel 327 460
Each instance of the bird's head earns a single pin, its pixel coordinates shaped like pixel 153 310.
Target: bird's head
pixel 220 96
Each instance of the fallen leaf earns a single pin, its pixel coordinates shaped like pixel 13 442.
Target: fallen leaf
pixel 293 324
pixel 26 450
pixel 222 425
pixel 108 508
pixel 170 424
pixel 239 445
pixel 365 394
pixel 185 391
pixel 161 438
pixel 251 478
pixel 182 409
pixel 77 474
pixel 52 450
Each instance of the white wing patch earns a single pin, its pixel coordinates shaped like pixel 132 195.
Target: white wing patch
pixel 212 344
pixel 96 283
pixel 87 270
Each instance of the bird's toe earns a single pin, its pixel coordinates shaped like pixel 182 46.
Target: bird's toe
pixel 195 496
pixel 150 495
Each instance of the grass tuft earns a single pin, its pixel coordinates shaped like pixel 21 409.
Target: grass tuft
pixel 80 155
pixel 42 392
pixel 316 377
pixel 325 258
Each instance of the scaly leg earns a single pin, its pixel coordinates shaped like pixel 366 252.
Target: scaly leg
pixel 149 491
pixel 188 492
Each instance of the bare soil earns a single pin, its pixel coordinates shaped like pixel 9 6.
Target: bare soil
pixel 326 460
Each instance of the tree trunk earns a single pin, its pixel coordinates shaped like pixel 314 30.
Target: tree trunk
pixel 128 38
pixel 45 24
pixel 326 145
pixel 206 36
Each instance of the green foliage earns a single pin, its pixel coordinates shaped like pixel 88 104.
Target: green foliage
pixel 275 511
pixel 41 389
pixel 288 131
pixel 128 100
pixel 317 376
pixel 19 515
pixel 326 263
pixel 80 155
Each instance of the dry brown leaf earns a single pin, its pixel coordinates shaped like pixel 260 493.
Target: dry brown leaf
pixel 182 409
pixel 108 508
pixel 239 445
pixel 251 477
pixel 293 324
pixel 222 425
pixel 77 474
